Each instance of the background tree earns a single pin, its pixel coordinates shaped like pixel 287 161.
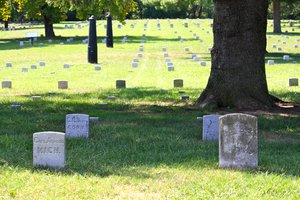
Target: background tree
pixel 5 12
pixel 238 77
pixel 277 12
pixel 45 11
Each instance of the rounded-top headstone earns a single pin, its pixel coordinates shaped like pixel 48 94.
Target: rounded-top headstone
pixel 49 149
pixel 238 146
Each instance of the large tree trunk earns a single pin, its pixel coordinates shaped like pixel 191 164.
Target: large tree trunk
pixel 6 25
pixel 49 31
pixel 276 16
pixel 238 76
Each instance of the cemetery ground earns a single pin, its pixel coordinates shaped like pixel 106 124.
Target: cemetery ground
pixel 147 143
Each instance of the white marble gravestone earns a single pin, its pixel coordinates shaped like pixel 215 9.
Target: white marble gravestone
pixel 210 131
pixel 97 68
pixel 24 69
pixel 77 125
pixel 33 67
pixel 171 68
pixel 286 57
pixel 271 62
pixel 49 149
pixel 62 84
pixel 238 146
pixel 9 64
pixel 42 63
pixel 6 84
pixel 21 43
pixel 203 63
pixel 134 64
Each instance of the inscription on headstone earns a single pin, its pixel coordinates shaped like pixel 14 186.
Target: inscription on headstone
pixel 49 149
pixel 77 125
pixel 210 130
pixel 238 146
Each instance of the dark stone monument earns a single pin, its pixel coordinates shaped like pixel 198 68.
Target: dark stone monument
pixel 92 46
pixel 109 33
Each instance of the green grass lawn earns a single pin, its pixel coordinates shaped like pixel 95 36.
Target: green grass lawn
pixel 147 144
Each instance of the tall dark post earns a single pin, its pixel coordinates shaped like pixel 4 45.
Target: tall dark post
pixel 92 46
pixel 109 33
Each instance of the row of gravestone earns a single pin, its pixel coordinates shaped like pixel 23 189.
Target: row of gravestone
pixel 237 135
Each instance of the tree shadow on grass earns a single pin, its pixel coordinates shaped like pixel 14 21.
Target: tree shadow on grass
pixel 128 139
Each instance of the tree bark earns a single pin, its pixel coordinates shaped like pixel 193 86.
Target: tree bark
pixel 238 78
pixel 49 31
pixel 6 25
pixel 276 16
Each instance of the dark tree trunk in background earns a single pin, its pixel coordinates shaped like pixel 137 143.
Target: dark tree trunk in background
pixel 6 25
pixel 238 76
pixel 200 11
pixel 49 31
pixel 276 16
pixel 193 11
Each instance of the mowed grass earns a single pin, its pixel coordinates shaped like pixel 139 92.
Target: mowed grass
pixel 147 144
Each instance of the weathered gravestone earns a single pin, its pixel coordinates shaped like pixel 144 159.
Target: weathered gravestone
pixel 178 83
pixel 120 84
pixel 62 84
pixel 49 149
pixel 210 130
pixel 77 125
pixel 293 82
pixel 6 84
pixel 238 146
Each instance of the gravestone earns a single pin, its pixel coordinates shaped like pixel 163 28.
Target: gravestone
pixel 9 64
pixel 21 43
pixel 296 45
pixel 16 107
pixel 135 60
pixel 66 65
pixel 140 55
pixel 203 63
pixel 185 97
pixel 293 82
pixel 49 149
pixel 271 62
pixel 178 83
pixel 286 57
pixel 120 84
pixel 35 98
pixel 6 84
pixel 164 49
pixel 24 69
pixel 186 49
pixel 42 63
pixel 210 130
pixel 113 98
pixel 97 68
pixel 166 55
pixel 77 125
pixel 274 46
pixel 238 146
pixel 134 64
pixel 33 67
pixel 170 68
pixel 196 58
pixel 141 48
pixel 62 84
